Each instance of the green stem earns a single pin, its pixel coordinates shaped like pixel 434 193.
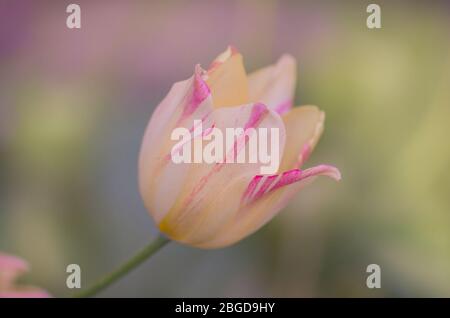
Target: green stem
pixel 129 265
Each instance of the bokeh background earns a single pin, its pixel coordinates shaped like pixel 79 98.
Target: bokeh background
pixel 74 105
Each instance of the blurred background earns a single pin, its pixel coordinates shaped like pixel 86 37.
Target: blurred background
pixel 74 105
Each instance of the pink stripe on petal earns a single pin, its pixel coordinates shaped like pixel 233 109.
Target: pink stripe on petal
pixel 304 155
pixel 198 123
pixel 265 186
pixel 214 65
pixel 287 178
pixel 194 133
pixel 201 89
pixel 231 50
pixel 322 170
pixel 283 107
pixel 296 175
pixel 251 187
pixel 258 112
pixel 200 92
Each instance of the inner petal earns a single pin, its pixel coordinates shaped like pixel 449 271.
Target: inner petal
pixel 274 85
pixel 304 126
pixel 227 80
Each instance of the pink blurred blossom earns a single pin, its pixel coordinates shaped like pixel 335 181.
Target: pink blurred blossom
pixel 11 267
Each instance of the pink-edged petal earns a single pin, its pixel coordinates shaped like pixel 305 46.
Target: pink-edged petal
pixel 183 100
pixel 263 185
pixel 199 92
pixel 262 199
pixel 186 102
pixel 274 85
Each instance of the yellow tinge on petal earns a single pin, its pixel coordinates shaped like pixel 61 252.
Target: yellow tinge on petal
pixel 227 80
pixel 304 125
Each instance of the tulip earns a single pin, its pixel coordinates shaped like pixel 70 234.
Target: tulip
pixel 11 268
pixel 216 205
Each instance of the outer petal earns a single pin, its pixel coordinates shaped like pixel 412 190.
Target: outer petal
pixel 304 126
pixel 263 198
pixel 159 179
pixel 197 214
pixel 274 85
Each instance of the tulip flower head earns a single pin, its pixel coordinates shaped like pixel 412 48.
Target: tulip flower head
pixel 11 268
pixel 215 204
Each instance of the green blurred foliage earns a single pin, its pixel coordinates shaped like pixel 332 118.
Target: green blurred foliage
pixel 74 108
